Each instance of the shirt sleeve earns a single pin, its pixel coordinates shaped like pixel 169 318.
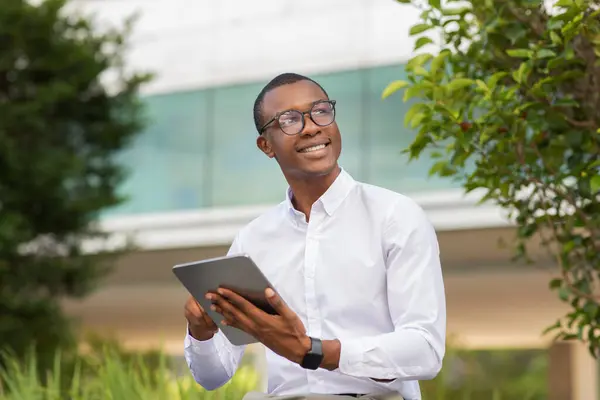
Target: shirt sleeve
pixel 213 362
pixel 416 299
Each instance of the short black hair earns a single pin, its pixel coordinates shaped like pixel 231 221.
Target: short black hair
pixel 280 80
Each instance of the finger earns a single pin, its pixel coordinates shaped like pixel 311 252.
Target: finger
pixel 193 309
pixel 225 314
pixel 240 303
pixel 232 313
pixel 228 319
pixel 225 307
pixel 200 321
pixel 209 322
pixel 279 305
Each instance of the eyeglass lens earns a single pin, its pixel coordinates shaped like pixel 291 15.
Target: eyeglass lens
pixel 292 122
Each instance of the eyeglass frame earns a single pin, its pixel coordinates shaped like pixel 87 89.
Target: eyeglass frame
pixel 309 112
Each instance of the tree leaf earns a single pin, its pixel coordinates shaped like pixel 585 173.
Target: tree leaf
pixel 422 41
pixel 519 53
pixel 564 3
pixel 437 167
pixel 493 81
pixel 595 184
pixel 414 111
pixel 419 28
pixel 419 143
pixel 564 293
pixel 556 63
pixel 481 84
pixel 459 83
pixel 448 12
pixel 521 75
pixel 545 53
pixel 412 92
pixel 438 62
pixel 420 71
pixel 552 327
pixel 555 23
pixel 393 87
pixel 435 4
pixel 418 60
pixel 556 39
pixel 566 103
pixel 556 283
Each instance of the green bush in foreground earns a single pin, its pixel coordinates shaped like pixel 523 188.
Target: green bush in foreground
pixel 111 373
pixel 111 376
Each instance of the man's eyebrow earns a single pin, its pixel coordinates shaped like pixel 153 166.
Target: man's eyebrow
pixel 310 105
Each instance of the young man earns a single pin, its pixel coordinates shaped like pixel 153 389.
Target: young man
pixel 357 265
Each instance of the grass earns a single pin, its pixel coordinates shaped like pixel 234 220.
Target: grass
pixel 111 376
pixel 109 373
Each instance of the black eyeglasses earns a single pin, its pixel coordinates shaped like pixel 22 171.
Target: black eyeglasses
pixel 292 122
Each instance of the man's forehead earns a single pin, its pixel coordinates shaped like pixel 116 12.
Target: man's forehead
pixel 297 95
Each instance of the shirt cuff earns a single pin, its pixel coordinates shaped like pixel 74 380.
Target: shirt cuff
pixel 203 347
pixel 359 358
pixel 351 356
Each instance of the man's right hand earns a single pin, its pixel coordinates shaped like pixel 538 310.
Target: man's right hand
pixel 201 326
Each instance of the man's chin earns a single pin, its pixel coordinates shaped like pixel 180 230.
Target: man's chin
pixel 320 169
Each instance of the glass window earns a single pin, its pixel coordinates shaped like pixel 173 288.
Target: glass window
pixel 199 149
pixel 388 136
pixel 166 162
pixel 241 173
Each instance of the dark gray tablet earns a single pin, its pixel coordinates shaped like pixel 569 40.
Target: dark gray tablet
pixel 235 272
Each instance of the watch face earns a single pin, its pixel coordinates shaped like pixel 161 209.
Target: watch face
pixel 312 361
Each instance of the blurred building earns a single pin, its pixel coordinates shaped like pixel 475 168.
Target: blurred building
pixel 197 177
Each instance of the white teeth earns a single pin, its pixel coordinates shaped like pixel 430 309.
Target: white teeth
pixel 313 148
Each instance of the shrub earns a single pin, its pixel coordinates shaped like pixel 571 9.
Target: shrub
pixel 109 375
pixel 510 107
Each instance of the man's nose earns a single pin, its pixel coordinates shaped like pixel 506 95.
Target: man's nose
pixel 310 128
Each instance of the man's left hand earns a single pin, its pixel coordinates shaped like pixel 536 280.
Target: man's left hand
pixel 284 334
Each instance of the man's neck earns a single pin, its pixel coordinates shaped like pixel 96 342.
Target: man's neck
pixel 307 191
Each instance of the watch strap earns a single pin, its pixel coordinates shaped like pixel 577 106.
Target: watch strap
pixel 314 357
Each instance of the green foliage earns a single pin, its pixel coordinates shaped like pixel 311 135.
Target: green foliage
pixel 510 107
pixel 504 374
pixel 60 129
pixel 109 372
pixel 109 375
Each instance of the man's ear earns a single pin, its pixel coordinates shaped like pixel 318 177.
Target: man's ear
pixel 264 144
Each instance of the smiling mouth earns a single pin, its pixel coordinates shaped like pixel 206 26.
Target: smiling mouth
pixel 314 148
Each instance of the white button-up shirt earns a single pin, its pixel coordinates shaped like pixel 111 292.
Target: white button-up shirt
pixel 365 270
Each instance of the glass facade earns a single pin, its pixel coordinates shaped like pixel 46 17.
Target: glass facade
pixel 200 146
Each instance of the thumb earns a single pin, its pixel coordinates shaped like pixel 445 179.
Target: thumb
pixel 279 305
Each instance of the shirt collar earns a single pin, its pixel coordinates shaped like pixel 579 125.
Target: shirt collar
pixel 333 197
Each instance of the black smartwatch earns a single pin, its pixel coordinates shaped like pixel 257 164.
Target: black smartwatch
pixel 314 357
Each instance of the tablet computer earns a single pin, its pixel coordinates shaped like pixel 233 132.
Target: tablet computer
pixel 237 273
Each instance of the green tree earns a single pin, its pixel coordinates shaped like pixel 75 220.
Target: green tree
pixel 509 105
pixel 61 127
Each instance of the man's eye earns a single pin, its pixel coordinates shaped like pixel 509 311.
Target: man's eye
pixel 322 109
pixel 288 120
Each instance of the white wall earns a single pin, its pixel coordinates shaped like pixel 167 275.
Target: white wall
pixel 198 43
